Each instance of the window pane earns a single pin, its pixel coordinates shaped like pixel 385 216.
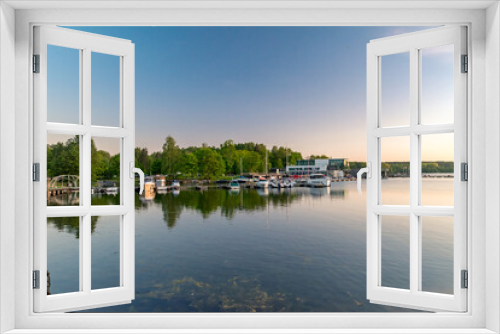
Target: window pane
pixel 437 101
pixel 63 85
pixel 63 255
pixel 437 169
pixel 437 254
pixel 105 171
pixel 105 252
pixel 395 241
pixel 395 90
pixel 395 168
pixel 105 89
pixel 63 170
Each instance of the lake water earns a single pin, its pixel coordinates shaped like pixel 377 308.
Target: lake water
pixel 295 250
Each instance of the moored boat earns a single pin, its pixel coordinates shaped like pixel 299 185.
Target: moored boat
pixel 318 181
pixel 262 184
pixel 302 182
pixel 111 190
pixel 233 185
pixel 274 184
pixel 163 189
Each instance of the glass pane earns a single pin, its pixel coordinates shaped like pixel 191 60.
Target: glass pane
pixel 105 252
pixel 395 169
pixel 63 85
pixel 437 169
pixel 395 239
pixel 63 170
pixel 437 254
pixel 437 101
pixel 105 89
pixel 63 255
pixel 395 90
pixel 105 171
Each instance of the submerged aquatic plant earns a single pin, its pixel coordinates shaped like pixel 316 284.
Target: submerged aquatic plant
pixel 234 295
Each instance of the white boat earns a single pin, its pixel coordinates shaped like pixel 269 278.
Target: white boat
pixel 274 184
pixel 286 184
pixel 111 190
pixel 302 182
pixel 262 184
pixel 160 182
pixel 176 185
pixel 318 181
pixel 162 190
pixel 233 185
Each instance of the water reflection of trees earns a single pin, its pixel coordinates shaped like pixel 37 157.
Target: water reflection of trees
pixel 206 203
pixel 104 199
pixel 73 199
pixel 72 224
pixel 228 203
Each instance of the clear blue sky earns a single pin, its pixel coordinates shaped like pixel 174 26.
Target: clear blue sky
pixel 303 87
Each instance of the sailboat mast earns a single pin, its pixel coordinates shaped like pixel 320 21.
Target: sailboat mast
pixel 286 156
pixel 266 163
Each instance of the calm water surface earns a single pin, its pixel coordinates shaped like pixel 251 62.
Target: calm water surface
pixel 298 250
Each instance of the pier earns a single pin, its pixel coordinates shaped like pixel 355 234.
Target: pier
pixel 63 184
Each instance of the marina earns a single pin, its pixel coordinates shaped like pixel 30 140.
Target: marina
pixel 158 184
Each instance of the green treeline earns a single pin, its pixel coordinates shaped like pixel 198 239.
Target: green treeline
pixel 205 162
pixel 64 159
pixel 427 167
pixel 404 167
pixel 208 162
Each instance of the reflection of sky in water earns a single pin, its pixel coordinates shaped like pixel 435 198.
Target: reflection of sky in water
pixel 299 250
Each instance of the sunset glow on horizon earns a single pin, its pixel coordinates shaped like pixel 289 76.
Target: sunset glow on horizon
pixel 298 87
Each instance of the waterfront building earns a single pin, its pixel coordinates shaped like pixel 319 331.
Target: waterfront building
pixel 321 166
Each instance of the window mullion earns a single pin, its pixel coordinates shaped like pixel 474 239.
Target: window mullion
pixel 86 183
pixel 414 170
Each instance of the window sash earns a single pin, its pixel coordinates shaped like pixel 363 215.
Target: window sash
pixel 86 297
pixel 414 298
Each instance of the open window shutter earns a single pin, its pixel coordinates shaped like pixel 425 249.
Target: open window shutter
pixel 85 297
pixel 415 296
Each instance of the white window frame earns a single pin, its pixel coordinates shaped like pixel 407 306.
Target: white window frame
pixel 86 44
pixel 413 43
pixel 483 101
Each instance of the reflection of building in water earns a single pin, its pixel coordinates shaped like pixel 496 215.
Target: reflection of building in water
pixel 332 167
pixel 263 191
pixel 337 193
pixel 318 192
